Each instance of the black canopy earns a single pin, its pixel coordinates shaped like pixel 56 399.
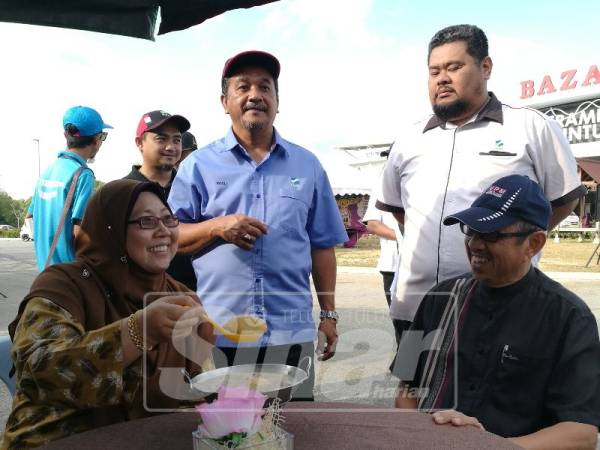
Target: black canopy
pixel 135 18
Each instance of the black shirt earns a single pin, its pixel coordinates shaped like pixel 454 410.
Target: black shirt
pixel 181 266
pixel 528 355
pixel 135 174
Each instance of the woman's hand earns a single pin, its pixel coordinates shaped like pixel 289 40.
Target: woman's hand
pixel 170 317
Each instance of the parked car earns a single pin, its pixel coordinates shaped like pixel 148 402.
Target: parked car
pixel 6 227
pixel 27 230
pixel 572 220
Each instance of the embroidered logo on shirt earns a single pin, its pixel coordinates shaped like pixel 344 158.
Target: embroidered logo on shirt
pixel 295 183
pixel 499 144
pixel 221 183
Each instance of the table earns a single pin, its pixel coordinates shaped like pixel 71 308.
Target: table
pixel 314 425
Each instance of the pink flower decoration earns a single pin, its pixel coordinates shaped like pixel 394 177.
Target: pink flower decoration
pixel 236 410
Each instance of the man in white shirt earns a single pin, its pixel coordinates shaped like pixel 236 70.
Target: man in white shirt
pixel 385 226
pixel 440 165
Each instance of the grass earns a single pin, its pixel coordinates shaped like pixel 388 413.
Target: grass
pixel 567 256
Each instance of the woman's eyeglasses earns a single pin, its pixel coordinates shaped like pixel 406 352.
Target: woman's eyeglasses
pixel 151 222
pixel 494 236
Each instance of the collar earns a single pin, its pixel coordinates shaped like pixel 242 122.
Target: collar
pixel 491 111
pixel 504 293
pixel 135 171
pixel 72 155
pixel 230 143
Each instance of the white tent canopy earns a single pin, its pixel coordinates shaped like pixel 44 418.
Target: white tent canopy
pixel 344 179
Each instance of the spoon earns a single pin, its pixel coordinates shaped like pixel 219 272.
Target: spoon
pixel 241 328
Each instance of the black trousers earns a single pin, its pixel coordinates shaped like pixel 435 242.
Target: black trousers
pixel 399 327
pixel 388 279
pixel 290 355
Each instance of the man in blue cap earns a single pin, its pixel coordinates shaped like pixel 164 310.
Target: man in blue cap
pixel 505 348
pixel 64 188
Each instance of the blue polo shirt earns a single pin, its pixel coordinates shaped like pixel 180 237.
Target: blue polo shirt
pixel 290 192
pixel 48 202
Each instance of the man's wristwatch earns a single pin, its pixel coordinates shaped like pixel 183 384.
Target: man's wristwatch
pixel 328 315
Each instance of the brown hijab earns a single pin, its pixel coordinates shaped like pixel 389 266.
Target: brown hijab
pixel 103 286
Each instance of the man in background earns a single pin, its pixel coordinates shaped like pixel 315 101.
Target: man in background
pixel 159 137
pixel 83 130
pixel 385 226
pixel 188 145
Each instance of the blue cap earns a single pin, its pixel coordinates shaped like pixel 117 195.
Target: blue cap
pixel 87 120
pixel 511 199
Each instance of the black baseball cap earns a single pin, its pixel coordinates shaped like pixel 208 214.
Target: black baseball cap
pixel 188 141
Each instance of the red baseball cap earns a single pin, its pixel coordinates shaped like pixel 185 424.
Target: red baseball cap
pixel 154 119
pixel 252 58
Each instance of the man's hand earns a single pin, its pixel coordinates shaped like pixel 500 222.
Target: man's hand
pixel 240 230
pixel 456 418
pixel 327 334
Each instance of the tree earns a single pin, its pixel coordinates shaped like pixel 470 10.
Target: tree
pixel 19 209
pixel 12 212
pixel 6 216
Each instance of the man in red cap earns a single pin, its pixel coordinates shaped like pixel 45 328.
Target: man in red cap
pixel 259 215
pixel 159 139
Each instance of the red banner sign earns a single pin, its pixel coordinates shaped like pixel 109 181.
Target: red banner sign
pixel 569 79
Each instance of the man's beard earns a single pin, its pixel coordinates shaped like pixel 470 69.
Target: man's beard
pixel 252 125
pixel 450 111
pixel 165 167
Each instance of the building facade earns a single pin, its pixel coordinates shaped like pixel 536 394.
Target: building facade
pixel 572 97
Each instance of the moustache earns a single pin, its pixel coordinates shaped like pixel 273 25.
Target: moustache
pixel 258 107
pixel 444 89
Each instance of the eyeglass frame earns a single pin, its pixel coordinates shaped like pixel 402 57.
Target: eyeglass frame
pixel 493 236
pixel 155 221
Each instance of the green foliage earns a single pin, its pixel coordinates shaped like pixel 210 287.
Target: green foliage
pixel 232 440
pixel 9 233
pixel 12 212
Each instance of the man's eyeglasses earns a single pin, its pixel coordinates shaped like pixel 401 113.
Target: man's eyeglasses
pixel 494 236
pixel 151 222
pixel 103 136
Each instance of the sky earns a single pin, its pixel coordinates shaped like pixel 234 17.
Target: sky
pixel 354 72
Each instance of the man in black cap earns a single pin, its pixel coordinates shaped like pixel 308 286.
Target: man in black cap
pixel 505 348
pixel 159 139
pixel 188 145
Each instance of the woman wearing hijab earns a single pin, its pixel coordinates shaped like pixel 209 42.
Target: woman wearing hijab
pixel 77 338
